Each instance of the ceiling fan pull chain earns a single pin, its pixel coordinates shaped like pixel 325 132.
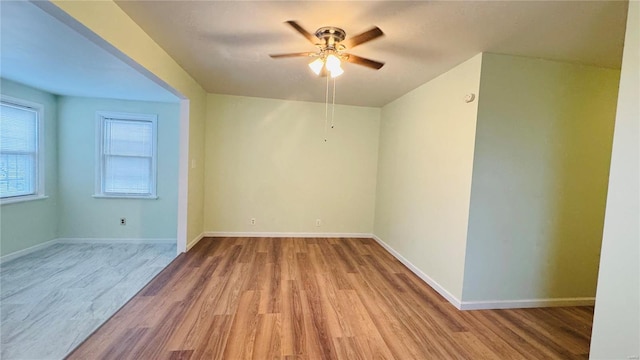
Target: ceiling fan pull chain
pixel 333 105
pixel 326 110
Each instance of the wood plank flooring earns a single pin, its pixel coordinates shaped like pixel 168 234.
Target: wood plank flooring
pixel 292 298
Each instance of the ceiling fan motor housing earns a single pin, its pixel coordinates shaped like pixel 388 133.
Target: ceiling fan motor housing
pixel 331 35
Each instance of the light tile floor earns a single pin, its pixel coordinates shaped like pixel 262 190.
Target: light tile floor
pixel 52 299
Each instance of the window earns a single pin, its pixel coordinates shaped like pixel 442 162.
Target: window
pixel 126 155
pixel 21 165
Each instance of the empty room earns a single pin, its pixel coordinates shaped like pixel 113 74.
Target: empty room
pixel 319 180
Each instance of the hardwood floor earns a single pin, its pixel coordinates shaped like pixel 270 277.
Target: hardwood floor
pixel 285 298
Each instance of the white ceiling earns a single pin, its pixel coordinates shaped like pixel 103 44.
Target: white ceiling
pixel 224 45
pixel 38 50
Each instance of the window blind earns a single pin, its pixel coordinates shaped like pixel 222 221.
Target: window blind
pixel 18 150
pixel 128 157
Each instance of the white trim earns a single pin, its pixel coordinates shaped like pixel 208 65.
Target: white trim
pixel 285 234
pixel 116 241
pixel 101 117
pixel 40 148
pixel 527 303
pixel 183 177
pixel 19 199
pixel 490 304
pixel 195 241
pixel 124 196
pixel 437 287
pixel 29 250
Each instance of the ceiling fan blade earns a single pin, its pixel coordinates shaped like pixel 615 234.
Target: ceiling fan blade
pixel 368 35
pixel 312 38
pixel 300 54
pixel 364 61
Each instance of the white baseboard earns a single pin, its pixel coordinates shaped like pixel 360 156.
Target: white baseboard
pixel 491 304
pixel 437 287
pixel 29 250
pixel 116 241
pixel 527 303
pixel 286 234
pixel 193 242
pixel 46 244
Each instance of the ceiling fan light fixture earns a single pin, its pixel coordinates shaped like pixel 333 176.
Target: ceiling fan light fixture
pixel 316 66
pixel 333 65
pixel 337 71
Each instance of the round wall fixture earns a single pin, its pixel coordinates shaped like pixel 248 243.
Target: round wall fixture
pixel 469 97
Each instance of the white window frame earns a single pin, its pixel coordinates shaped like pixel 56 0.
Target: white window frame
pixel 40 158
pixel 101 116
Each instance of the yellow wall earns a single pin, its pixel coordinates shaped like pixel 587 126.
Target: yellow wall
pixel 110 23
pixel 540 175
pixel 267 159
pixel 424 174
pixel 616 325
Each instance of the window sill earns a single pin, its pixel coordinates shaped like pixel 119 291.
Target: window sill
pixel 102 196
pixel 20 199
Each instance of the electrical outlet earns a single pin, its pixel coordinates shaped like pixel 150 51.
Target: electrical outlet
pixel 318 222
pixel 253 221
pixel 123 221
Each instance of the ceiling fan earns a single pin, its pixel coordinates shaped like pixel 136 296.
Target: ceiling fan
pixel 331 44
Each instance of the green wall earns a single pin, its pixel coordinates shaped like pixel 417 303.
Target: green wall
pixel 540 174
pixel 70 210
pixel 30 223
pixel 83 216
